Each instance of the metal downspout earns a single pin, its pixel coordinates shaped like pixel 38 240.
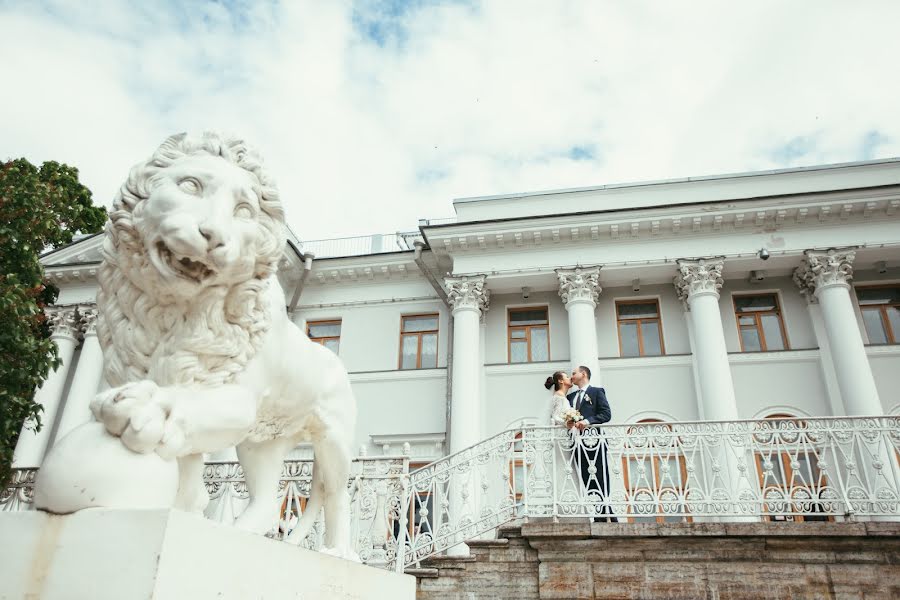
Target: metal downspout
pixel 307 267
pixel 442 293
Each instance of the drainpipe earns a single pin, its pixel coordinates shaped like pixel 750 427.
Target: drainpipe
pixel 307 267
pixel 442 293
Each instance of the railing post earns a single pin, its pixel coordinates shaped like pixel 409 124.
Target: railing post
pixel 406 504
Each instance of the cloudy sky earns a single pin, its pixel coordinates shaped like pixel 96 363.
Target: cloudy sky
pixel 372 114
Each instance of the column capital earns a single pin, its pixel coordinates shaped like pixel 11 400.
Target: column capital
pixel 63 321
pixel 824 268
pixel 468 292
pixel 88 319
pixel 581 284
pixel 697 277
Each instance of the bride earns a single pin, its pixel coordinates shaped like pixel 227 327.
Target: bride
pixel 560 383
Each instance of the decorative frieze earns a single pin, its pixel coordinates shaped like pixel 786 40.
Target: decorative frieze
pixel 824 268
pixel 703 276
pixel 468 292
pixel 579 284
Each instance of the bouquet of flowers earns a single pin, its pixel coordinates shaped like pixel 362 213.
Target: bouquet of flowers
pixel 571 416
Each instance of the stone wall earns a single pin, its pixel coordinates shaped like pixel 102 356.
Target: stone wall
pixel 717 561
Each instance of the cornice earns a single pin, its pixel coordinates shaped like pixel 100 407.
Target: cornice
pixel 397 266
pixel 756 215
pixel 399 375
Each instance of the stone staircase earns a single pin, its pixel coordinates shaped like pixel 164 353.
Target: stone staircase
pixel 716 561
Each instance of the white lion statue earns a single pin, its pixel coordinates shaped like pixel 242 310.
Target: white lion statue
pixel 198 348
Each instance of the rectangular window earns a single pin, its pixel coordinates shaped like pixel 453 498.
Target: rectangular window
pixel 760 324
pixel 880 308
pixel 640 329
pixel 327 333
pixel 529 337
pixel 419 342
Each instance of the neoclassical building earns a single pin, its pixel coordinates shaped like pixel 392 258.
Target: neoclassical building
pixel 711 298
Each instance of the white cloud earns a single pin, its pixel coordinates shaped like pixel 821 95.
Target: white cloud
pixel 374 114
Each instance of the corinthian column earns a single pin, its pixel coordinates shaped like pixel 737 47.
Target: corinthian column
pixel 88 373
pixel 825 277
pixel 579 289
pixel 469 300
pixel 698 283
pixel 32 445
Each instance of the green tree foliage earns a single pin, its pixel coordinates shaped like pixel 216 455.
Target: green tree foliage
pixel 40 209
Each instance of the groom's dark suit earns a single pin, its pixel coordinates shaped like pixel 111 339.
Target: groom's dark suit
pixel 594 407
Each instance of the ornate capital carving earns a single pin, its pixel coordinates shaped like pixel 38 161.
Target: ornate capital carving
pixel 468 292
pixel 63 321
pixel 88 325
pixel 821 269
pixel 579 284
pixel 703 276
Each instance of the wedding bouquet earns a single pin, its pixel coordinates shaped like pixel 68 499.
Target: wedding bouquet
pixel 570 415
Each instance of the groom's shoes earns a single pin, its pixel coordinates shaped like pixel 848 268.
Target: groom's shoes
pixel 604 520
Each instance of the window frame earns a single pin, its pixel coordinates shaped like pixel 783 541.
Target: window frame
pixel 658 319
pixel 779 312
pixel 419 334
pixel 510 327
pixel 322 339
pixel 893 338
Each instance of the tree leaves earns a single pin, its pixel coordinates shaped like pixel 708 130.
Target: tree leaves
pixel 40 209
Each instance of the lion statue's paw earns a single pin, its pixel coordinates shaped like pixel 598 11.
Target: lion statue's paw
pixel 139 413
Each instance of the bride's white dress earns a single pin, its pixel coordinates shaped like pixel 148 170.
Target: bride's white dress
pixel 558 406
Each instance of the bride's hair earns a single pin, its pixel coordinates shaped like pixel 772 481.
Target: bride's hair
pixel 555 381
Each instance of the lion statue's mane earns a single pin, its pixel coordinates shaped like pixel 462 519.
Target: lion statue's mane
pixel 149 330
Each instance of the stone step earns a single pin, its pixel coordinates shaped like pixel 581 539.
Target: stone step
pixel 422 573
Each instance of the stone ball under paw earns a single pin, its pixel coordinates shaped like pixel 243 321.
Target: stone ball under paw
pixel 91 468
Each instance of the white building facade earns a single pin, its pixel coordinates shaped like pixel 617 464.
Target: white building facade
pixel 717 298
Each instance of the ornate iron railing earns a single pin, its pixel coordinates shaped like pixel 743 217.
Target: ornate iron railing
pixel 774 469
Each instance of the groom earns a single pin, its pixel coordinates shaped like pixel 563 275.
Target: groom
pixel 592 404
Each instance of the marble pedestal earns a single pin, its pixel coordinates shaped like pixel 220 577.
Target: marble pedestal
pixel 161 554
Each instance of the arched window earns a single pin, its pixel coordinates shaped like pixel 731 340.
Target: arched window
pixel 655 474
pixel 788 468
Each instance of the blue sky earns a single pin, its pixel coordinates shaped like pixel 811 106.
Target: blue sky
pixel 372 114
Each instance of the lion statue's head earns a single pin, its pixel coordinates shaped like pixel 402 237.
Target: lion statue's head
pixel 193 239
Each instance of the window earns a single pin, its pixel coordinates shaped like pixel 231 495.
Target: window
pixel 640 331
pixel 419 342
pixel 760 324
pixel 327 333
pixel 529 339
pixel 655 474
pixel 880 308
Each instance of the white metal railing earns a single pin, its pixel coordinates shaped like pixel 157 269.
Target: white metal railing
pixel 362 245
pixel 775 469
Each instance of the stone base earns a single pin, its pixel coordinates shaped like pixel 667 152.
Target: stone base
pixel 572 560
pixel 160 554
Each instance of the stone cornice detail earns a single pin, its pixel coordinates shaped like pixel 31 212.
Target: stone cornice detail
pixel 821 269
pixel 700 276
pixel 581 284
pixel 468 292
pixel 673 221
pixel 63 321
